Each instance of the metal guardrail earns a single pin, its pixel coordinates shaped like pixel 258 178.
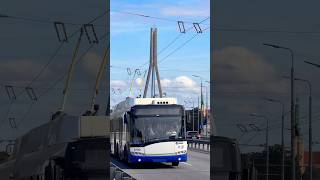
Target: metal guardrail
pixel 118 174
pixel 199 145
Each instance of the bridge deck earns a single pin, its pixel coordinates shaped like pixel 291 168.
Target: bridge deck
pixel 197 167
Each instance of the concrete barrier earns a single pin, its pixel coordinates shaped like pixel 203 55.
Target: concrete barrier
pixel 199 145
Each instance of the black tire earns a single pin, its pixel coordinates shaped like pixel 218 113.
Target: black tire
pixel 175 163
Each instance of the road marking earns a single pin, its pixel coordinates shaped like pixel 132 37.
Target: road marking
pixel 186 163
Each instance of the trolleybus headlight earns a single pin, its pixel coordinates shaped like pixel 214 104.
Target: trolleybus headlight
pixel 181 152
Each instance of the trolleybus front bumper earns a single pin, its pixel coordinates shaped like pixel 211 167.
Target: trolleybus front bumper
pixel 173 158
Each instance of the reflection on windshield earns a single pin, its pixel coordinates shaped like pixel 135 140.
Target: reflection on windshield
pixel 156 128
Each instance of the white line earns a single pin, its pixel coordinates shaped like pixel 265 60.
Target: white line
pixel 186 163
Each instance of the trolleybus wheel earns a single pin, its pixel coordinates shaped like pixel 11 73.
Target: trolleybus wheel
pixel 175 163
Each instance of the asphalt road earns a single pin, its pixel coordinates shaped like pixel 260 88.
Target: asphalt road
pixel 196 168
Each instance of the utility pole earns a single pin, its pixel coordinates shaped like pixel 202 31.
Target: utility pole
pixel 153 66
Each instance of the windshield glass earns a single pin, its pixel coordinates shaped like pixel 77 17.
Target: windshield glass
pixel 154 128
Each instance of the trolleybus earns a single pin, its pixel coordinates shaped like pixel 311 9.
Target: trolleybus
pixel 148 130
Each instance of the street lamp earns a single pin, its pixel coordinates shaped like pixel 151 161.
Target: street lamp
pixel 192 114
pixel 293 167
pixel 310 124
pixel 312 63
pixel 267 142
pixel 282 132
pixel 207 118
pixel 201 99
pixel 191 101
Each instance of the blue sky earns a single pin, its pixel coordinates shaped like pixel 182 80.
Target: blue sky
pixel 130 37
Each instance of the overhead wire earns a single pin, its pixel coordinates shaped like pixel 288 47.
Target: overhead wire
pixel 173 41
pixel 224 29
pixel 60 78
pixel 152 17
pixel 181 46
pixel 46 21
pixel 48 63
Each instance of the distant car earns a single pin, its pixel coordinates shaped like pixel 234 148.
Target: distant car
pixel 193 135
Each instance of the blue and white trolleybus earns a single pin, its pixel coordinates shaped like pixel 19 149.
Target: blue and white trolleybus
pixel 148 130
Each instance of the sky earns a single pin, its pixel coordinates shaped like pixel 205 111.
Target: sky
pixel 130 43
pixel 27 46
pixel 245 71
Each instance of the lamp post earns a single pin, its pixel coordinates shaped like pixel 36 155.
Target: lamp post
pixel 267 142
pixel 211 114
pixel 191 100
pixel 312 63
pixel 192 114
pixel 282 133
pixel 207 117
pixel 201 103
pixel 310 124
pixel 293 150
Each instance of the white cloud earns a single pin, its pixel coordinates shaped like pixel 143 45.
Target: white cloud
pixel 240 69
pixel 117 84
pixel 180 84
pixel 181 87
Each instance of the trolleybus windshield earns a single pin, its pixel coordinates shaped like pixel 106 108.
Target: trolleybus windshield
pixel 156 124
